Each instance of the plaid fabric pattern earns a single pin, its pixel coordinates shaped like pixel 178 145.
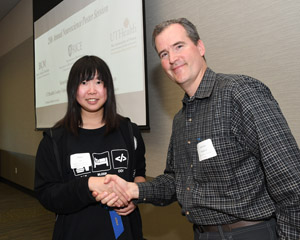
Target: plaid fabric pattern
pixel 256 172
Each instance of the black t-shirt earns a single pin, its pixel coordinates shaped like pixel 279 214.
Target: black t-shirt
pixel 92 153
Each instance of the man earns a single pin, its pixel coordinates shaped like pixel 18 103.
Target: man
pixel 233 164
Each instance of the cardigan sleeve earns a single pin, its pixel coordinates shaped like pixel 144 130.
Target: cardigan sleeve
pixel 52 192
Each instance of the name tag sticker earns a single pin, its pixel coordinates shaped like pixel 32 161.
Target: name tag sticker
pixel 206 150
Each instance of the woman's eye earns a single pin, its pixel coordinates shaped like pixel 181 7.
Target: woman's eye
pixel 99 81
pixel 84 82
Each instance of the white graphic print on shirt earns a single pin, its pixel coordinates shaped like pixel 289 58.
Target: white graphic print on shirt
pixel 80 163
pixel 83 163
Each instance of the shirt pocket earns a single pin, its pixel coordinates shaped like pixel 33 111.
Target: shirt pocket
pixel 219 173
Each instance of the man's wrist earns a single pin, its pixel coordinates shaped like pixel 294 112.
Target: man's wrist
pixel 134 190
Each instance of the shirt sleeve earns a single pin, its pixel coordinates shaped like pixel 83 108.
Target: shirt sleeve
pixel 53 193
pixel 267 135
pixel 161 191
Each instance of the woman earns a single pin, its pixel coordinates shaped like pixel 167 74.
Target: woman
pixel 92 140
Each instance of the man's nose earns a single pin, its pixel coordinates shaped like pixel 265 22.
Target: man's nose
pixel 172 57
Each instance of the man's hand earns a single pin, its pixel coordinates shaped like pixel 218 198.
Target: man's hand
pixel 117 197
pixel 121 186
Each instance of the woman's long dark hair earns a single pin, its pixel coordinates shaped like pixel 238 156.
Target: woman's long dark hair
pixel 86 68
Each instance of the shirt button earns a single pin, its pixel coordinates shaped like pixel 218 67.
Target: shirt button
pixel 144 199
pixel 189 142
pixel 192 166
pixel 190 120
pixel 187 213
pixel 188 188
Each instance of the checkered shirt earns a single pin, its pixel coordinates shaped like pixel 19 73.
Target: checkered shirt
pixel 256 173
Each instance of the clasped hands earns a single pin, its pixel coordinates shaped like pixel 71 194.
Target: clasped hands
pixel 115 192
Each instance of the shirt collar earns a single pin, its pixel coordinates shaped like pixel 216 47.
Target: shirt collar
pixel 205 87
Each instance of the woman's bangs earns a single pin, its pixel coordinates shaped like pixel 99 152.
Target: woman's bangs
pixel 88 74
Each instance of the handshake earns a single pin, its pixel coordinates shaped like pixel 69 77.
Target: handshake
pixel 115 192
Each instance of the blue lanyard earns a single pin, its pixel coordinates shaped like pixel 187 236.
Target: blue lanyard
pixel 116 221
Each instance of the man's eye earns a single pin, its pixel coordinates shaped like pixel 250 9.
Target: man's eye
pixel 163 55
pixel 179 46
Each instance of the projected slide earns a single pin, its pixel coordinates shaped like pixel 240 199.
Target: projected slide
pixel 110 29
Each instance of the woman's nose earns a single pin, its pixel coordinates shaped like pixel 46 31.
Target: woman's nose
pixel 92 89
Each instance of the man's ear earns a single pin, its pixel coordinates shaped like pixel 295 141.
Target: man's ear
pixel 201 47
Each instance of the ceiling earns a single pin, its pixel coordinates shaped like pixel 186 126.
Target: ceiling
pixel 6 6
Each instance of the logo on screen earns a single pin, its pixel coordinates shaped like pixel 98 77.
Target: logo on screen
pixel 42 64
pixel 74 48
pixel 126 31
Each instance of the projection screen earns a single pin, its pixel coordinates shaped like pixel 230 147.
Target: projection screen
pixel 110 29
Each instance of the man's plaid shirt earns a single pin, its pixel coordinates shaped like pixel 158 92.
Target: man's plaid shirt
pixel 256 172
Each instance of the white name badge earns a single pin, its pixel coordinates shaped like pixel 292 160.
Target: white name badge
pixel 206 150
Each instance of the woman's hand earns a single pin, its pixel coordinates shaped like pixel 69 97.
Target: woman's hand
pixel 126 210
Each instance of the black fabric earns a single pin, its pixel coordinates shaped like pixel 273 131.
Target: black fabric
pixel 64 190
pixel 127 132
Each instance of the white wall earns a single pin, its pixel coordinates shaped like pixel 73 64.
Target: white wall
pixel 256 38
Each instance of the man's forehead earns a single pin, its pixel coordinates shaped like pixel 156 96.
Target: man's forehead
pixel 171 36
